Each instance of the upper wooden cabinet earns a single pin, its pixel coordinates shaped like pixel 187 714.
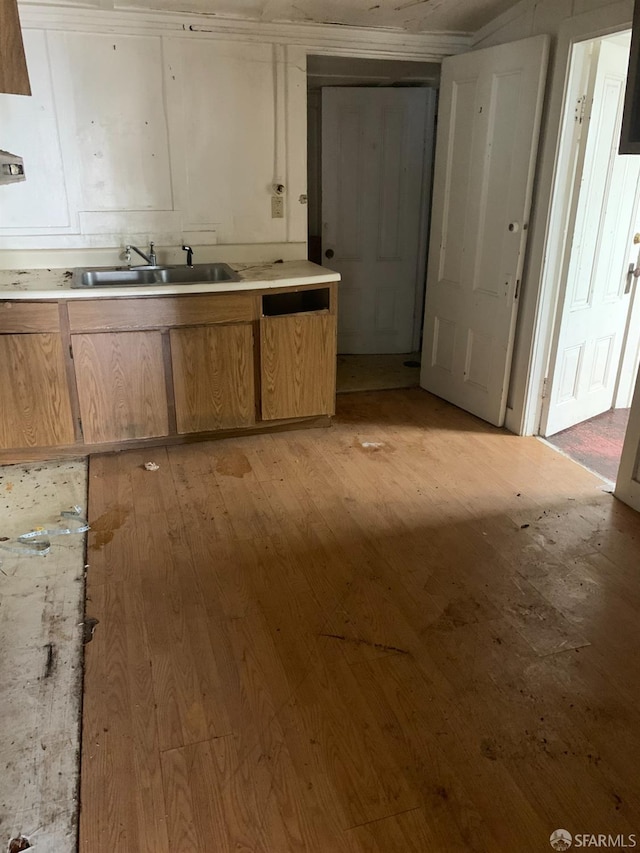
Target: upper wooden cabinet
pixel 14 77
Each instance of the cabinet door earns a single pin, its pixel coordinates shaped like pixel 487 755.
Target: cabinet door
pixel 121 385
pixel 298 357
pixel 213 377
pixel 14 77
pixel 35 410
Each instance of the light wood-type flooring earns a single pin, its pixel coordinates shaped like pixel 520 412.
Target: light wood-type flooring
pixel 409 632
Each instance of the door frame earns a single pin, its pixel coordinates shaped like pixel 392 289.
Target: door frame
pixel 571 166
pixel 550 219
pixel 426 193
pixel 426 205
pixel 628 483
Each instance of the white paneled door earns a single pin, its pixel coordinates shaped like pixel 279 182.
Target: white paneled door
pixel 375 198
pixel 596 299
pixel 488 127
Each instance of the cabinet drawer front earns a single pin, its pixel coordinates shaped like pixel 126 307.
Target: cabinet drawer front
pixel 160 311
pixel 16 317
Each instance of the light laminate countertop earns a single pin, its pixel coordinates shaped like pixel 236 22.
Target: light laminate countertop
pixel 56 283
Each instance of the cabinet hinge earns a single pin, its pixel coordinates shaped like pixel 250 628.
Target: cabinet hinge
pixel 545 386
pixel 581 106
pixel 70 351
pixel 517 291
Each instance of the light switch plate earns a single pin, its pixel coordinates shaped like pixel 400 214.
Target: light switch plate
pixel 277 207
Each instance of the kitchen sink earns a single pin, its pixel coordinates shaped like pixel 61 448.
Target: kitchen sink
pixel 152 275
pixel 196 273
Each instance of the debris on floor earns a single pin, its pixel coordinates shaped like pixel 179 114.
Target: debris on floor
pixel 16 845
pixel 89 626
pixel 151 466
pixel 41 642
pixel 36 541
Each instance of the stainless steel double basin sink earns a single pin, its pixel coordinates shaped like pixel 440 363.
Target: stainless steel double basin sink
pixel 146 276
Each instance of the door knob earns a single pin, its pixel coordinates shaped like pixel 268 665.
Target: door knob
pixel 329 253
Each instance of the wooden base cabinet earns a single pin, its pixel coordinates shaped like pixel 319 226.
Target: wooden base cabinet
pixel 213 377
pixel 121 385
pixel 298 365
pixel 96 375
pixel 35 409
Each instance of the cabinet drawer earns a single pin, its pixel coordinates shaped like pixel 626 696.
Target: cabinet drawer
pixel 160 311
pixel 17 317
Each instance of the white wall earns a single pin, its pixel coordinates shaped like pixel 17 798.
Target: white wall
pixel 131 137
pixel 567 21
pixel 170 127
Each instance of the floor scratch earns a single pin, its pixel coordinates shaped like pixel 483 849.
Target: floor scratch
pixel 360 642
pixel 51 659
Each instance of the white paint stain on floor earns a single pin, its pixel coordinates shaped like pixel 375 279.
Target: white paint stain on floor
pixel 41 612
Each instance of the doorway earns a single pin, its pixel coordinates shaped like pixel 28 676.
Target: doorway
pixel 371 128
pixel 596 338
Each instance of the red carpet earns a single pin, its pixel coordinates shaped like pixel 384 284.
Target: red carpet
pixel 596 443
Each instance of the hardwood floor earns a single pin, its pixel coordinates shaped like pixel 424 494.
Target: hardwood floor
pixel 409 632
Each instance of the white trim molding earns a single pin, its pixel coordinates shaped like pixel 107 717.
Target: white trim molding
pixel 331 39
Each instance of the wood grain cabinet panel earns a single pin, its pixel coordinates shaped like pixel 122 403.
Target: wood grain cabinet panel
pixel 35 410
pixel 213 377
pixel 298 365
pixel 121 385
pixel 19 316
pixel 14 77
pixel 102 315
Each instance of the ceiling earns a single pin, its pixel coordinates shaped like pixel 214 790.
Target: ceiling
pixel 414 15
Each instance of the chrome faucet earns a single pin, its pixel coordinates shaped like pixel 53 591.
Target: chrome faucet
pixel 151 258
